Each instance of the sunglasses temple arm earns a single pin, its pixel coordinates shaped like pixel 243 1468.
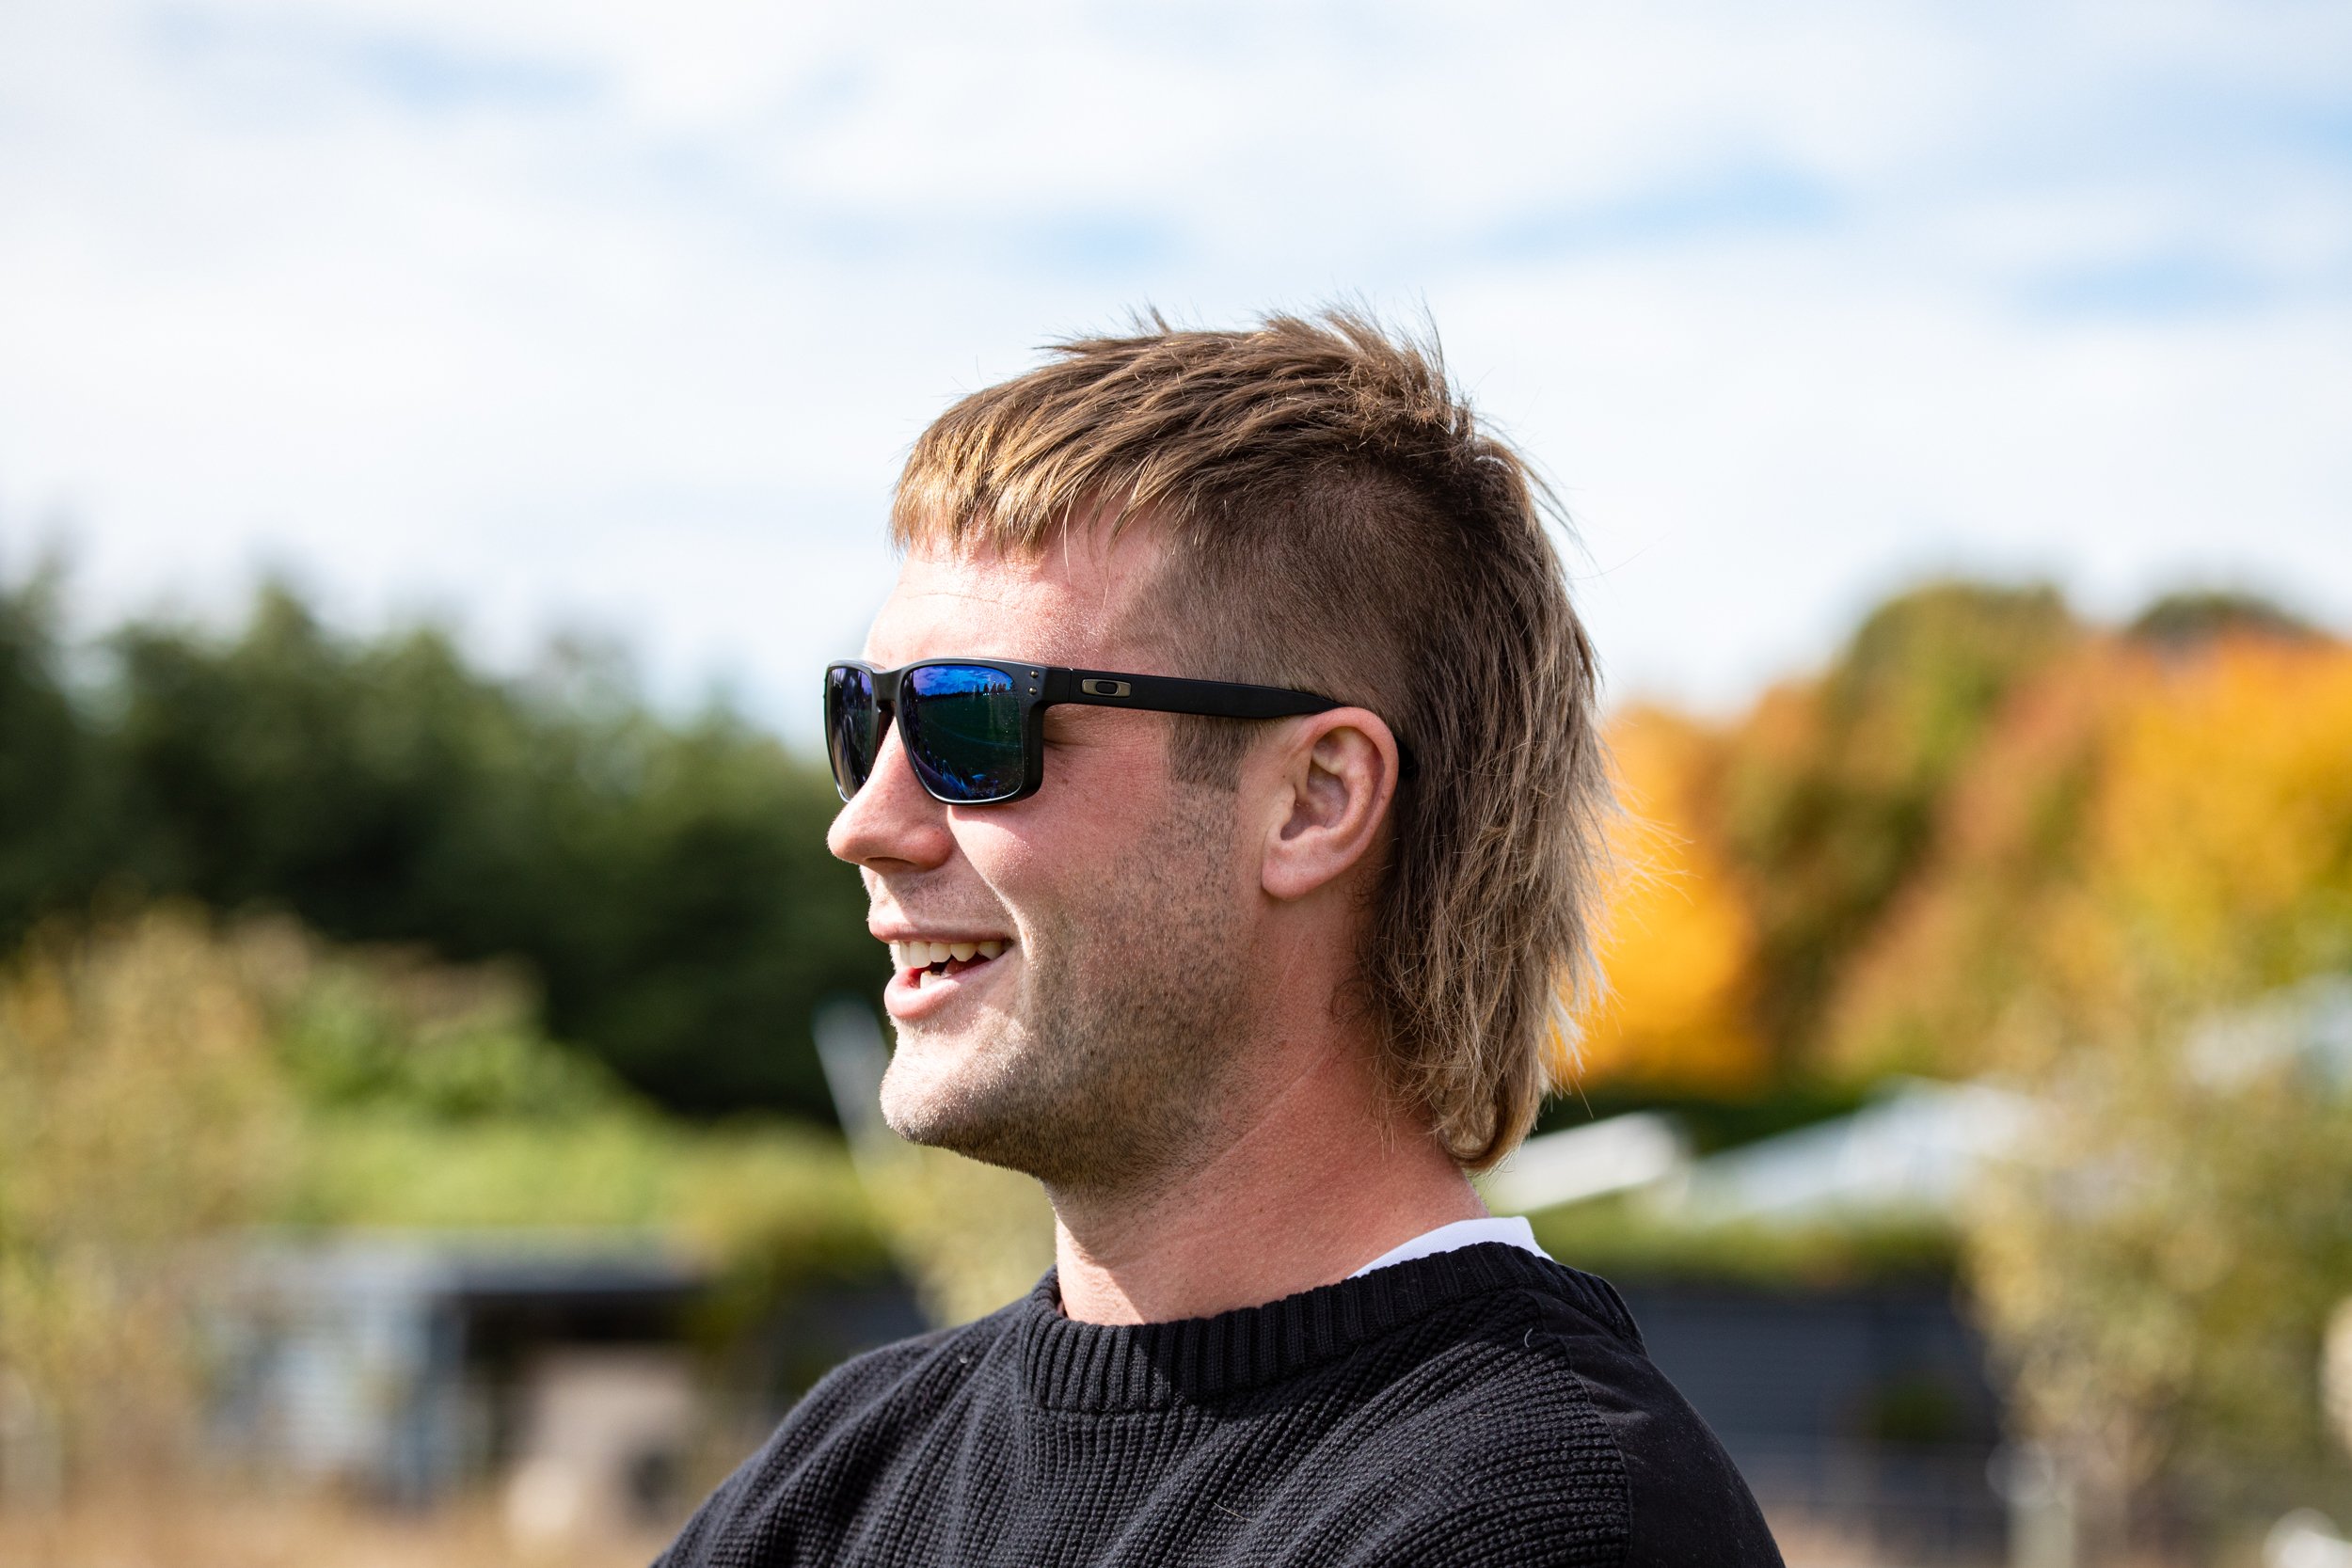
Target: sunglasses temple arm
pixel 1175 694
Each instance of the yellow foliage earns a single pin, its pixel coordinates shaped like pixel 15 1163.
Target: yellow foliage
pixel 139 1112
pixel 2221 836
pixel 1679 953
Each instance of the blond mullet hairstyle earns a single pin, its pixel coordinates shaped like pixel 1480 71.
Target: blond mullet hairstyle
pixel 1335 520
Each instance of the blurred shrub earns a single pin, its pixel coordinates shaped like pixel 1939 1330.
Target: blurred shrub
pixel 1624 1238
pixel 432 1100
pixel 2179 620
pixel 2157 1266
pixel 393 1032
pixel 141 1110
pixel 970 1237
pixel 665 883
pixel 166 1083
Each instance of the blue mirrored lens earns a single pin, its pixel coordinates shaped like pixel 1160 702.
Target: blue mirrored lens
pixel 852 731
pixel 963 728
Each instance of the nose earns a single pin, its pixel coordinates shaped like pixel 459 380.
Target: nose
pixel 891 823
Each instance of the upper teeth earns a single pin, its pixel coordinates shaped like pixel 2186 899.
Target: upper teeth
pixel 922 955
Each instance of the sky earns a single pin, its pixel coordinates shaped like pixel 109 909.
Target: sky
pixel 553 317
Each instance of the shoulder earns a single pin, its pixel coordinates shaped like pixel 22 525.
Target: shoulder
pixel 900 1384
pixel 1685 1500
pixel 1542 1432
pixel 840 1435
pixel 909 1373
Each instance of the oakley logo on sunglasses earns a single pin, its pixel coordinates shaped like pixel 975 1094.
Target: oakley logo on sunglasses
pixel 974 728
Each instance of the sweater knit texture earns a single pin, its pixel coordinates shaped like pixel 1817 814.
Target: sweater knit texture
pixel 1482 1406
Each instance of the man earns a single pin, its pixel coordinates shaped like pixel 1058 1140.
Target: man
pixel 1224 778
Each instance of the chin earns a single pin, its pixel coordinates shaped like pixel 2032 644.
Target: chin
pixel 931 1093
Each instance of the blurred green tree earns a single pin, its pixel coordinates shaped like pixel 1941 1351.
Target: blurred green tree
pixel 666 882
pixel 56 790
pixel 2192 615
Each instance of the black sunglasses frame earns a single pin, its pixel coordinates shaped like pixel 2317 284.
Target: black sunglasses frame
pixel 1038 687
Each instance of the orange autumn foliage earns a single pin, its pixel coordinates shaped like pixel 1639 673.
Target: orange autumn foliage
pixel 2139 825
pixel 1679 952
pixel 1984 832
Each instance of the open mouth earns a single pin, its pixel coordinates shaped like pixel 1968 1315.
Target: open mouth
pixel 922 962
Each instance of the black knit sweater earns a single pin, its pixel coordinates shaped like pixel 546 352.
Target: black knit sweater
pixel 1482 1406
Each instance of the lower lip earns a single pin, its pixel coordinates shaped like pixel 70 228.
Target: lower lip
pixel 918 993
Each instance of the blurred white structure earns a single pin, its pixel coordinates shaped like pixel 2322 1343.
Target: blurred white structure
pixel 2335 1374
pixel 1912 1153
pixel 2041 1533
pixel 851 1050
pixel 2307 1024
pixel 602 1431
pixel 1612 1156
pixel 2306 1539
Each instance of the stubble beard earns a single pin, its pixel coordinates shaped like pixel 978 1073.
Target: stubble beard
pixel 1111 1071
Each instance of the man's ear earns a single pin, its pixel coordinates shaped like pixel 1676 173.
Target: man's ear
pixel 1327 800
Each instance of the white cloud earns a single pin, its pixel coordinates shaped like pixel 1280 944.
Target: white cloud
pixel 559 313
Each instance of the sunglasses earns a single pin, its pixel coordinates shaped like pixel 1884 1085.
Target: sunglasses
pixel 973 729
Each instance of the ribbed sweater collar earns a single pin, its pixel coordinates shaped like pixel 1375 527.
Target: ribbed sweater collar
pixel 1112 1367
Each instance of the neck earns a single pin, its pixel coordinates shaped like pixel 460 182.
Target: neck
pixel 1307 1187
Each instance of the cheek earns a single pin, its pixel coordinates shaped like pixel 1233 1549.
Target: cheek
pixel 1076 844
pixel 1040 863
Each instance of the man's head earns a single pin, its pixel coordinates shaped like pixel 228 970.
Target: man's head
pixel 1304 505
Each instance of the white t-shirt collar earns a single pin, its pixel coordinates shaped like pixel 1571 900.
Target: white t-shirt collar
pixel 1512 1230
